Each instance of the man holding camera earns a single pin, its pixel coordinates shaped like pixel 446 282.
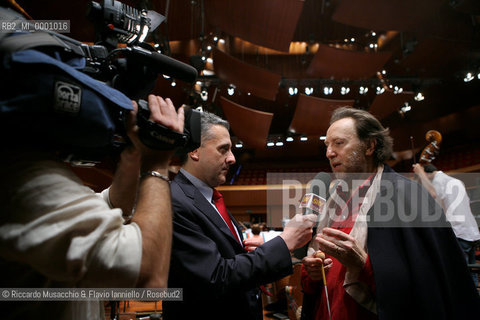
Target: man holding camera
pixel 57 233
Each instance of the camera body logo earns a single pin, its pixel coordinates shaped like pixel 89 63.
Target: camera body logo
pixel 67 98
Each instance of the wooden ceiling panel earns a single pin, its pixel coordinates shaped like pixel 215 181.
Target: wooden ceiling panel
pixel 400 15
pixel 246 77
pixel 262 22
pixel 430 57
pixel 312 115
pixel 386 103
pixel 250 126
pixel 465 120
pixel 346 64
pixel 183 19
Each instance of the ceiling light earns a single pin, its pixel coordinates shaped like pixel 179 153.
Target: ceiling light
pixel 173 84
pixel 279 143
pixel 239 145
pixel 352 39
pixel 204 94
pixel 215 38
pixel 406 107
pixel 222 41
pixel 363 90
pixel 292 91
pixel 344 90
pixel 397 90
pixel 308 91
pixel 419 97
pixel 384 71
pixel 289 139
pixel 468 77
pixel 380 90
pixel 303 138
pixel 166 77
pixel 323 138
pixel 209 47
pixel 231 90
pixel 327 90
pixel 270 144
pixel 373 33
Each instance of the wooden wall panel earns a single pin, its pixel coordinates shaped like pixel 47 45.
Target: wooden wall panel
pixel 312 115
pixel 343 64
pixel 250 126
pixel 246 77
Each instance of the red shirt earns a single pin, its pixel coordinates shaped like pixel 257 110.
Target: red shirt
pixel 342 305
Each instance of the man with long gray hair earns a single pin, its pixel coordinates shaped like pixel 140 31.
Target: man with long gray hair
pixel 390 254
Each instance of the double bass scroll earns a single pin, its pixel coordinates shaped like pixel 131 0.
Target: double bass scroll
pixel 432 149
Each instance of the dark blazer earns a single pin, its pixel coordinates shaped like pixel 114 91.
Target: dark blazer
pixel 219 278
pixel 419 269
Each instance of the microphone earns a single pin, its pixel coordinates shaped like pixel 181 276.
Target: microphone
pixel 320 184
pixel 312 203
pixel 164 64
pixel 318 194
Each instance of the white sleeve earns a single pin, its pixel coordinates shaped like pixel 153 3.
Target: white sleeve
pixel 63 230
pixel 105 195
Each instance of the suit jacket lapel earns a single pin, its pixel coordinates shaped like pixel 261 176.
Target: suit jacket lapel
pixel 206 208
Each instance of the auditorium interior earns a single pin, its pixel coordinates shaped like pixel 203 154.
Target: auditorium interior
pixel 276 70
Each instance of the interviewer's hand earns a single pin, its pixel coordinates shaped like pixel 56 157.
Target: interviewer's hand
pixel 252 244
pixel 313 266
pixel 298 231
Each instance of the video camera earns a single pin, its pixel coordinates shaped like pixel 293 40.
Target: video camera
pixel 58 91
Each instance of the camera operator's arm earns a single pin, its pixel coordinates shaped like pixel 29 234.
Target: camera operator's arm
pixel 123 190
pixel 153 213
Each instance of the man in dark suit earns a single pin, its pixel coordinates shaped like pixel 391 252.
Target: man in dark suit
pixel 220 279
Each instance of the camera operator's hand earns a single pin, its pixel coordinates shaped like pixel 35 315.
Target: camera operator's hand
pixel 163 112
pixel 123 189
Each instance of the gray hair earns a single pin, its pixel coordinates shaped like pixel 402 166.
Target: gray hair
pixel 368 127
pixel 207 121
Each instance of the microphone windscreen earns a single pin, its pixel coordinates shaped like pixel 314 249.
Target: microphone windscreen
pixel 320 184
pixel 312 203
